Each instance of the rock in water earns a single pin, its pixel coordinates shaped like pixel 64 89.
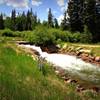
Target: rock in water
pixel 97 59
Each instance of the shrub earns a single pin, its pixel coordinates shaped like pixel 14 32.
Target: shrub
pixel 17 33
pixel 76 37
pixel 1 32
pixel 41 36
pixel 7 32
pixel 59 34
pixel 86 37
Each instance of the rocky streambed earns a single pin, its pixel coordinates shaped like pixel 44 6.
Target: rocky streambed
pixel 71 68
pixel 79 52
pixel 84 54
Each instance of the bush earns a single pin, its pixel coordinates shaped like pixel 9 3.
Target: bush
pixel 41 36
pixel 46 36
pixel 17 33
pixel 59 34
pixel 75 37
pixel 86 37
pixel 7 32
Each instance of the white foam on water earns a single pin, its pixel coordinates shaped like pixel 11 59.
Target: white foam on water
pixel 69 63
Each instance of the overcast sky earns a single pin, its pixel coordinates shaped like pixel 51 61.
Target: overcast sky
pixel 39 6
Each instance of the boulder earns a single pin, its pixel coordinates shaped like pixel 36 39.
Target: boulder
pixel 69 81
pixel 84 54
pixel 80 88
pixel 85 51
pixel 96 89
pixel 85 58
pixel 78 48
pixel 58 46
pixel 35 52
pixel 97 59
pixel 57 72
pixel 64 46
pixel 92 58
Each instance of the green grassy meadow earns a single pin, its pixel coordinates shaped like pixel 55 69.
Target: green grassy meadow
pixel 21 79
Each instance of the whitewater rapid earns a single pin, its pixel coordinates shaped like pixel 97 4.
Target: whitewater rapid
pixel 75 66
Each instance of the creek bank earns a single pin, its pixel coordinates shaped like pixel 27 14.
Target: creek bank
pixel 80 52
pixel 71 64
pixel 80 87
pixel 85 57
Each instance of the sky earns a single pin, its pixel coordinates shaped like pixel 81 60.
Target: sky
pixel 39 6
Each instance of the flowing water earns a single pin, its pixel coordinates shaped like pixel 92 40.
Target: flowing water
pixel 88 73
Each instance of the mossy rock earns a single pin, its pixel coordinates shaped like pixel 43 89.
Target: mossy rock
pixel 65 46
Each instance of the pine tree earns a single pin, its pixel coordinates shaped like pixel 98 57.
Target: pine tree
pixel 75 15
pixel 8 23
pixel 34 20
pixel 89 13
pixel 1 22
pixel 97 22
pixel 23 17
pixel 50 18
pixel 29 21
pixel 38 21
pixel 45 23
pixel 56 23
pixel 13 20
pixel 19 23
pixel 64 23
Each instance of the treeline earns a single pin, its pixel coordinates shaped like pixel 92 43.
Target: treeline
pixel 85 13
pixel 19 21
pixel 28 21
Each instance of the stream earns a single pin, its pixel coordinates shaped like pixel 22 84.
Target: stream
pixel 88 74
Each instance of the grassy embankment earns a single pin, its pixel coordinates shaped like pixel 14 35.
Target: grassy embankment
pixel 20 78
pixel 94 48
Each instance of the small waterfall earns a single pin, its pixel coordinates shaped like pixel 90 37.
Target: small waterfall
pixel 75 66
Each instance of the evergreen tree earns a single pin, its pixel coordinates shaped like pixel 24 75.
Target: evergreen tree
pixel 89 14
pixel 97 22
pixel 13 20
pixel 45 23
pixel 19 23
pixel 1 22
pixel 50 18
pixel 56 23
pixel 34 20
pixel 29 21
pixel 8 23
pixel 64 23
pixel 38 21
pixel 23 17
pixel 75 15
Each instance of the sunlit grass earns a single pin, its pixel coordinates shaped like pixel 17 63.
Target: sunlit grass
pixel 95 48
pixel 21 79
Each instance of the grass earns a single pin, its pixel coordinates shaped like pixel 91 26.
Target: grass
pixel 94 47
pixel 21 79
